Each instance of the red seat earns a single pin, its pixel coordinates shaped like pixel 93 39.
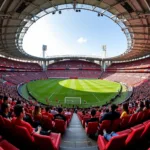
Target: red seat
pixel 115 143
pixel 146 114
pixel 132 120
pixel 124 122
pixel 135 134
pixel 46 123
pixel 1 124
pixel 85 119
pixel 146 130
pixel 140 117
pixel 60 125
pixel 106 124
pixel 7 129
pixel 116 125
pixel 22 137
pixel 5 145
pixel 51 142
pixel 91 128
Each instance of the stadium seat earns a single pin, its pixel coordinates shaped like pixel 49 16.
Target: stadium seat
pixel 132 120
pixel 91 128
pixel 146 115
pixel 22 137
pixel 115 143
pixel 106 124
pixel 85 118
pixel 146 130
pixel 1 124
pixel 60 125
pixel 140 117
pixel 47 123
pixel 115 125
pixel 135 135
pixel 124 122
pixel 7 129
pixel 5 145
pixel 51 142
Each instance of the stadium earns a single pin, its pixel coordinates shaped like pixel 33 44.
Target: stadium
pixel 73 98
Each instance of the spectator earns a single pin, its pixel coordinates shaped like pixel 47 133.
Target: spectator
pixel 20 113
pixel 68 112
pixel 112 115
pixel 140 107
pixel 46 113
pixel 105 111
pixel 125 110
pixel 37 116
pixel 147 107
pixel 53 111
pixel 93 118
pixel 5 100
pixel 5 110
pixel 60 115
pixel 108 136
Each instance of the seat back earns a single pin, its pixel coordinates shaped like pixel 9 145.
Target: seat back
pixel 43 142
pixel 132 120
pixel 140 116
pixel 124 122
pixel 92 127
pixel 117 142
pixel 134 135
pixel 46 123
pixel 7 129
pixel 146 130
pixel 1 122
pixel 106 124
pixel 146 115
pixel 60 125
pixel 115 124
pixel 23 138
pixel 85 119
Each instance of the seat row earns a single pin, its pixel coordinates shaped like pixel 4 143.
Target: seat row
pixel 126 139
pixel 5 145
pixel 20 137
pixel 115 125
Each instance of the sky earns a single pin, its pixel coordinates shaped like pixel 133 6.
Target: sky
pixel 75 33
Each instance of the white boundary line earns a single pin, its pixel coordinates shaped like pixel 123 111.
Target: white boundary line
pixel 51 95
pixel 96 97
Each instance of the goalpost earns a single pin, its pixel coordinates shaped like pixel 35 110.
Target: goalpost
pixel 72 100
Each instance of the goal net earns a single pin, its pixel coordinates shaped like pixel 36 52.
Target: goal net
pixel 72 100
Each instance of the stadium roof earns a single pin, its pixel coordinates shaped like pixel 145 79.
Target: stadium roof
pixel 133 16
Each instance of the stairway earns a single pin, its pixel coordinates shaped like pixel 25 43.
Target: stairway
pixel 75 137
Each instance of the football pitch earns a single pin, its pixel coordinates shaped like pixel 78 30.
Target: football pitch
pixel 90 91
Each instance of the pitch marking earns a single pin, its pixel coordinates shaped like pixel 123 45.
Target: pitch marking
pixel 96 97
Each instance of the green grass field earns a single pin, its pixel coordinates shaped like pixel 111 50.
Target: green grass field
pixel 91 91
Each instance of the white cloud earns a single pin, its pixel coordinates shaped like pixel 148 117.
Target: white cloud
pixel 82 40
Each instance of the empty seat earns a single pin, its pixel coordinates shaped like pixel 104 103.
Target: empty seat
pixel 146 130
pixel 5 145
pixel 91 128
pixel 51 142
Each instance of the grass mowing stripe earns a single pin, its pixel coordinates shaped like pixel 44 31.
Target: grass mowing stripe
pixel 92 91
